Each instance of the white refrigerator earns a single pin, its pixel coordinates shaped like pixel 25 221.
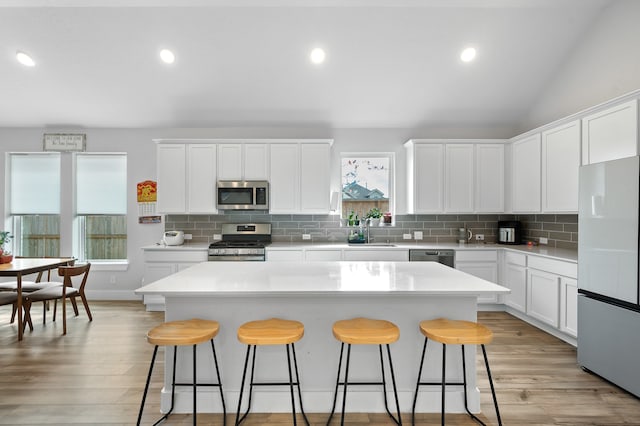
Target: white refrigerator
pixel 608 304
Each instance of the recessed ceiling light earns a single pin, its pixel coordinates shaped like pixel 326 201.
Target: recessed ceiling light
pixel 25 59
pixel 167 56
pixel 468 54
pixel 317 56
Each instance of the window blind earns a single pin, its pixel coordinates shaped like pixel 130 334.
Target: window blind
pixel 35 183
pixel 101 184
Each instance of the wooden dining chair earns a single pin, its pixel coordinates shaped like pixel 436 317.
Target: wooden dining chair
pixel 63 292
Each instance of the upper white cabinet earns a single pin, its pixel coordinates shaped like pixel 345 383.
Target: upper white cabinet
pixel 489 173
pixel 560 165
pixel 525 176
pixel 611 133
pixel 425 178
pixel 455 176
pixel 243 161
pixel 300 177
pixel 459 178
pixel 186 175
pixel 172 178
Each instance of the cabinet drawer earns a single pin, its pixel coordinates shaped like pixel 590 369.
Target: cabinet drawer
pixel 515 258
pixel 175 256
pixel 476 256
pixel 567 269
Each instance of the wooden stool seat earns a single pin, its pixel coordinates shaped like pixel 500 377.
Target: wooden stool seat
pixel 365 331
pixel 273 331
pixel 186 332
pixel 456 332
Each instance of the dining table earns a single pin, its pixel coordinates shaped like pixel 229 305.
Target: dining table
pixel 21 266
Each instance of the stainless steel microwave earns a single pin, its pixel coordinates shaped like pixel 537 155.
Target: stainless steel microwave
pixel 243 195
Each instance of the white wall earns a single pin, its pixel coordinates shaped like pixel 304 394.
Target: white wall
pixel 604 65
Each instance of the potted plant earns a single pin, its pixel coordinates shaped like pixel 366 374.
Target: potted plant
pixel 374 216
pixel 5 255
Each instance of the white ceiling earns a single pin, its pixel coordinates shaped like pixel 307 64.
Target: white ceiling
pixel 245 63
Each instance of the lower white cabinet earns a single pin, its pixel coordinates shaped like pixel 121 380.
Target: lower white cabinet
pixel 322 255
pixel 160 263
pixel 543 298
pixel 569 306
pixel 482 264
pixel 515 279
pixel 376 255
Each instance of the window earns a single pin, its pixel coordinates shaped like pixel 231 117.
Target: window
pixel 101 206
pixel 366 183
pixel 34 203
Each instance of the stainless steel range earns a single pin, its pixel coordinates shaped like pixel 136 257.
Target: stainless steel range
pixel 241 242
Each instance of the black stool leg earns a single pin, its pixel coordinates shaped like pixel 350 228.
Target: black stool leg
pixel 215 361
pixel 335 395
pixel 295 365
pixel 146 386
pixel 194 385
pixel 444 369
pixel 395 390
pixel 346 382
pixel 493 391
pixel 415 397
pixel 244 375
pixel 293 399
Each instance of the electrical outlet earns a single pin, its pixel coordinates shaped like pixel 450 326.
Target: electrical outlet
pixel 306 236
pixel 417 235
pixel 479 237
pixel 188 236
pixel 544 240
pixel 406 236
pixel 217 237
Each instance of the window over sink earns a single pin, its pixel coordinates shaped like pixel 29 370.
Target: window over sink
pixel 367 186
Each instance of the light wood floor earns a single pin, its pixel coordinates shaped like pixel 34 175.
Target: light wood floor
pixel 95 375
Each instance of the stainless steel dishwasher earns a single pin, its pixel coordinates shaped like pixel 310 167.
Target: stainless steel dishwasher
pixel 446 257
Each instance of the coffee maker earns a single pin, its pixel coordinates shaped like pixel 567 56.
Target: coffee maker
pixel 509 232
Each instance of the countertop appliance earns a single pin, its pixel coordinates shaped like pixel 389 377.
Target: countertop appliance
pixel 243 195
pixel 173 238
pixel 509 232
pixel 446 257
pixel 241 242
pixel 608 304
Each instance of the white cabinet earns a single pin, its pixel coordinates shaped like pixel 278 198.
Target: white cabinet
pixel 515 279
pixel 482 264
pixel 172 178
pixel 292 255
pixel 300 177
pixel 560 164
pixel 201 178
pixel 322 255
pixel 376 255
pixel 160 263
pixel 186 175
pixel 569 306
pixel 455 176
pixel 526 179
pixel 459 178
pixel 243 161
pixel 489 178
pixel 543 297
pixel 315 194
pixel 611 133
pixel 425 180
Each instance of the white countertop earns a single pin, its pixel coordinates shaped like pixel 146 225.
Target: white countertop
pixel 288 278
pixel 541 250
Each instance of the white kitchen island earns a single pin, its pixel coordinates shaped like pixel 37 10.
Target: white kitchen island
pixel 318 294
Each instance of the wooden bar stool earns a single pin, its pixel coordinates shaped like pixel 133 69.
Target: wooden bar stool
pixel 272 331
pixel 365 331
pixel 183 333
pixel 455 332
